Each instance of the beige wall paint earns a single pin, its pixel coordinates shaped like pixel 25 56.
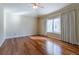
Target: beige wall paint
pixel 1 25
pixel 13 25
pixel 59 12
pixel 77 24
pixel 20 25
pixel 42 26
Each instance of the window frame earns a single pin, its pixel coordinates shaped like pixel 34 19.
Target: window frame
pixel 53 25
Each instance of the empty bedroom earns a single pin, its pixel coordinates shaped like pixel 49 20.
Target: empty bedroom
pixel 39 29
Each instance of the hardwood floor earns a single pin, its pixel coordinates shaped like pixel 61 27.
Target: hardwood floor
pixel 37 45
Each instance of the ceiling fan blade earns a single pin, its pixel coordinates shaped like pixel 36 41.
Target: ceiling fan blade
pixel 36 4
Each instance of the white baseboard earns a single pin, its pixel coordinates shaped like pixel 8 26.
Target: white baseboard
pixel 18 36
pixel 7 37
pixel 2 42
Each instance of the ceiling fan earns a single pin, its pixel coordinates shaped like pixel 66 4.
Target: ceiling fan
pixel 37 5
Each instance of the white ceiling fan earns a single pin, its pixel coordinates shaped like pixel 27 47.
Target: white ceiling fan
pixel 37 5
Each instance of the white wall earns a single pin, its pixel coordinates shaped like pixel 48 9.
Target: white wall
pixel 1 26
pixel 20 25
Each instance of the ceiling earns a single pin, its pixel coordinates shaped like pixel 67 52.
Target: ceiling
pixel 26 8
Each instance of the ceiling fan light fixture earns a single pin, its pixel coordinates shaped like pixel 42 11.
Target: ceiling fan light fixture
pixel 35 7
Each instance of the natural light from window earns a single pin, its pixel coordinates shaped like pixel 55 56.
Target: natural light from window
pixel 54 25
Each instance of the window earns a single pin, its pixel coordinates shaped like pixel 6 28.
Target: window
pixel 54 25
pixel 57 25
pixel 49 25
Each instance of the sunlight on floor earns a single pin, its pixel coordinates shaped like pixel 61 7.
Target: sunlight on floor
pixel 38 37
pixel 52 48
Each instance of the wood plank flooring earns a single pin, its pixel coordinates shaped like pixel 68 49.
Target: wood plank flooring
pixel 37 45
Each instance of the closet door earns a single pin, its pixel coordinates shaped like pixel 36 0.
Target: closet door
pixel 68 27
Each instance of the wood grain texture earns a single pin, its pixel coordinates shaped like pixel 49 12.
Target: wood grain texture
pixel 37 45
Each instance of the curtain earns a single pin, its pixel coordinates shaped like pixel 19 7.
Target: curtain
pixel 68 30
